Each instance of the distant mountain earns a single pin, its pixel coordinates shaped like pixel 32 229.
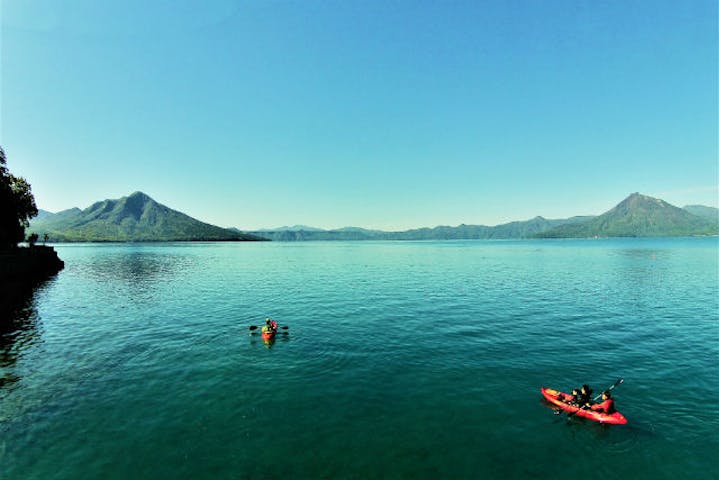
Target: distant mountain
pixel 710 213
pixel 139 218
pixel 525 229
pixel 319 235
pixel 359 230
pixel 638 216
pixel 295 228
pixel 519 229
pixel 135 218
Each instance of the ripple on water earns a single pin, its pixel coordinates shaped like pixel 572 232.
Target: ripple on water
pixel 403 360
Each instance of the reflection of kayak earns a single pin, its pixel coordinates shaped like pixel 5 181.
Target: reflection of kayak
pixel 268 333
pixel 556 397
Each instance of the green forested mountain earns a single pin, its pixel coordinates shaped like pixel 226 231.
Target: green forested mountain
pixel 639 216
pixel 139 218
pixel 135 218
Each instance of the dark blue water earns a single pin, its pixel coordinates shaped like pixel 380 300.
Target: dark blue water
pixel 403 360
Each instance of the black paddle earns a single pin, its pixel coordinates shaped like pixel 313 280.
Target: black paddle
pixel 618 382
pixel 283 327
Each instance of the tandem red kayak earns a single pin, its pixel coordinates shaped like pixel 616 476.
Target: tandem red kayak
pixel 560 399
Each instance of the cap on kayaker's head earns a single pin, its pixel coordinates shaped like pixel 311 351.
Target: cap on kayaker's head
pixel 585 388
pixel 267 320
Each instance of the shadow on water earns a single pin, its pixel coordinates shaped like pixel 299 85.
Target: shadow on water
pixel 19 327
pixel 630 435
pixel 281 337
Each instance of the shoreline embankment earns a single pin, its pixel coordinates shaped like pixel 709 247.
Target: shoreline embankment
pixel 22 268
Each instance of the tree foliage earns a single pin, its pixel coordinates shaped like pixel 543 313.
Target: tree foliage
pixel 17 205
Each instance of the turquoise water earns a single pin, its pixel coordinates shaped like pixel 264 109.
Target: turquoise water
pixel 403 360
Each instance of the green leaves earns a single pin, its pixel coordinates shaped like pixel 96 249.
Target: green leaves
pixel 17 205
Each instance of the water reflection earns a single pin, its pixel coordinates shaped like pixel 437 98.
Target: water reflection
pixel 19 327
pixel 137 267
pixel 282 336
pixel 644 270
pixel 136 273
pixel 644 253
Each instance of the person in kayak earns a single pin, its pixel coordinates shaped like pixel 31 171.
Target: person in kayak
pixel 585 396
pixel 570 399
pixel 270 325
pixel 607 405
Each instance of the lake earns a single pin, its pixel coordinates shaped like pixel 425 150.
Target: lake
pixel 417 360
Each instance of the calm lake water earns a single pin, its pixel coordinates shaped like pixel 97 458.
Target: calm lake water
pixel 418 360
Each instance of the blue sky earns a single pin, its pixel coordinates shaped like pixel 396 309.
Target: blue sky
pixel 387 114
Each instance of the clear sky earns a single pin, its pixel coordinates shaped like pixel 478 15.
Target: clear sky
pixel 380 114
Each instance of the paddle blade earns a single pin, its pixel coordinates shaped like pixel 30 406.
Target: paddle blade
pixel 253 327
pixel 284 327
pixel 617 383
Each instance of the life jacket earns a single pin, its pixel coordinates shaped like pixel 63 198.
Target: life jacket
pixel 582 398
pixel 607 406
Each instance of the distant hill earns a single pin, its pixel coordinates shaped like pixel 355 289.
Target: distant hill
pixel 511 230
pixel 316 234
pixel 710 213
pixel 139 218
pixel 135 218
pixel 295 228
pixel 522 229
pixel 638 216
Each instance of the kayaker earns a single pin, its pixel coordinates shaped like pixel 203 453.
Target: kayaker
pixel 271 324
pixel 584 397
pixel 607 405
pixel 575 397
pixel 570 399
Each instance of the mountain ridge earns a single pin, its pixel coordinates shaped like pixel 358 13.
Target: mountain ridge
pixel 134 218
pixel 515 229
pixel 638 216
pixel 710 213
pixel 138 217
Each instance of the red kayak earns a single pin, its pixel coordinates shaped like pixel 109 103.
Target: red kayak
pixel 269 330
pixel 561 400
pixel 268 333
